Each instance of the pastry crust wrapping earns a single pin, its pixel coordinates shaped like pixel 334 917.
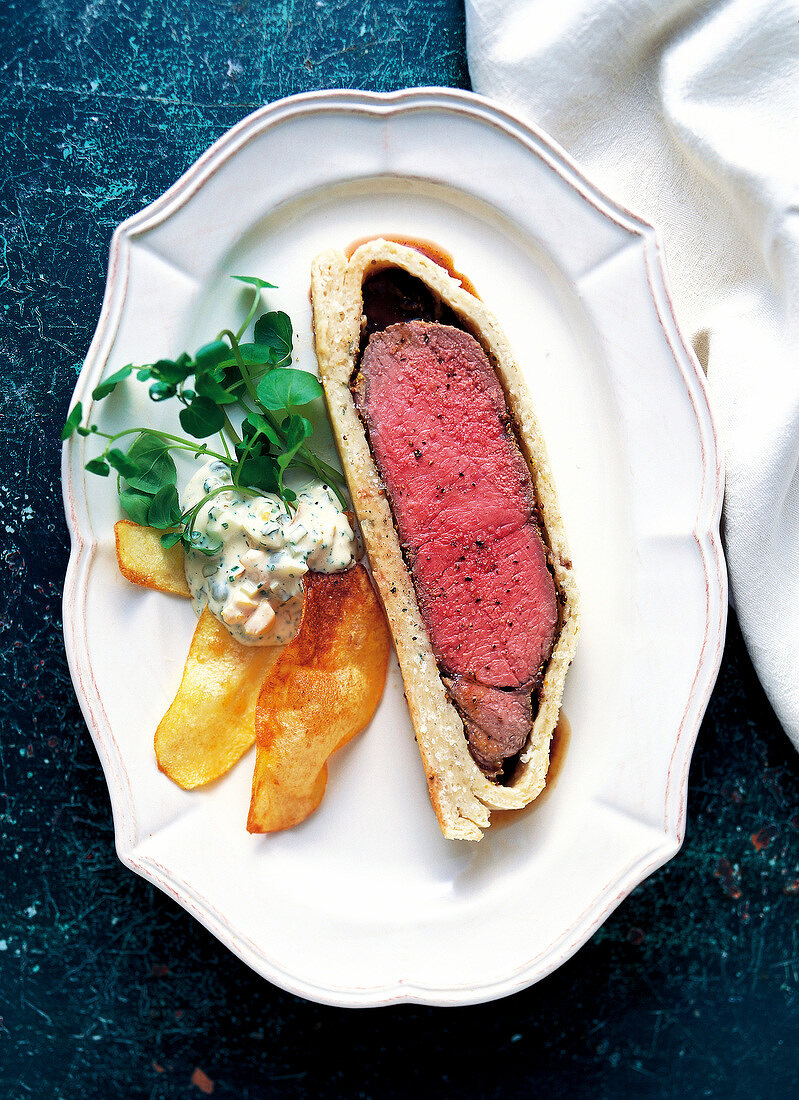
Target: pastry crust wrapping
pixel 461 795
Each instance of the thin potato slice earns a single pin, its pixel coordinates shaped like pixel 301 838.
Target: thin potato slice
pixel 322 691
pixel 211 722
pixel 143 560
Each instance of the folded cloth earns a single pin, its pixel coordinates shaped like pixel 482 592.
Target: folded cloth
pixel 687 113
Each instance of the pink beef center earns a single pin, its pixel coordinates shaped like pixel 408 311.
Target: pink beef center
pixel 490 609
pixel 462 500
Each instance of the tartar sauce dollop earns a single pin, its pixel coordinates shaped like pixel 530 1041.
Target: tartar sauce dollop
pixel 253 583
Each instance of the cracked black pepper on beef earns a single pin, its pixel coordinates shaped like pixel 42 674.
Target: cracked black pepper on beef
pixel 465 511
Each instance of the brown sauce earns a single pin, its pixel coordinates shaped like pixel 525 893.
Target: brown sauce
pixel 557 756
pixel 557 753
pixel 429 249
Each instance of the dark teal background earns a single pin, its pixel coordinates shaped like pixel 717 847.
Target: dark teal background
pixel 107 988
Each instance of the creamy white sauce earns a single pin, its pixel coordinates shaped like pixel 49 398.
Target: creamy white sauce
pixel 253 582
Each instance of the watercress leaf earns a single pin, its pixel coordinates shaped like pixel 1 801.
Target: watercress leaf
pixel 282 389
pixel 154 464
pixel 171 538
pixel 297 430
pixel 162 391
pixel 258 354
pixel 98 466
pixel 253 280
pixel 122 463
pixel 136 504
pixel 169 370
pixel 248 438
pixel 73 420
pixel 165 508
pixel 108 385
pixel 255 420
pixel 230 378
pixel 274 330
pixel 202 418
pixel 143 374
pixel 258 471
pixel 84 431
pixel 210 386
pixel 210 355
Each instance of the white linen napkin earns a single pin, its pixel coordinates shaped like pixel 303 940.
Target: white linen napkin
pixel 687 112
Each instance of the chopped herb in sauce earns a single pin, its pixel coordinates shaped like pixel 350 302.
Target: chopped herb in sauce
pixel 253 583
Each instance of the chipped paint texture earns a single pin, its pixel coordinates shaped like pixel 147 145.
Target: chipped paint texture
pixel 106 987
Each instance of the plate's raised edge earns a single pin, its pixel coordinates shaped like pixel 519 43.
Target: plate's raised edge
pixel 706 533
pixel 84 548
pixel 541 965
pixel 379 104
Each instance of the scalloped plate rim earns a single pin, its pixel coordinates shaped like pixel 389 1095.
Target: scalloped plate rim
pixel 708 539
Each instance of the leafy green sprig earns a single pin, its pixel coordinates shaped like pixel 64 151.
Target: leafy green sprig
pixel 254 377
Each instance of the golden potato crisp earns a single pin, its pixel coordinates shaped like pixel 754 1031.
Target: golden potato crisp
pixel 323 690
pixel 211 722
pixel 143 560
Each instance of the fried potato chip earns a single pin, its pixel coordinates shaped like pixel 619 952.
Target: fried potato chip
pixel 211 722
pixel 143 560
pixel 322 691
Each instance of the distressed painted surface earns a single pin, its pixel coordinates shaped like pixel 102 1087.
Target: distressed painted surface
pixel 106 987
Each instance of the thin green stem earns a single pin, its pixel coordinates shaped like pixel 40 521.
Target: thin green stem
pixel 323 472
pixel 195 508
pixel 243 455
pixel 232 433
pixel 274 421
pixel 313 462
pixel 250 315
pixel 180 443
pixel 245 374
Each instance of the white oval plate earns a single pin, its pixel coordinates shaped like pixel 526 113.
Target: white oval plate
pixel 366 903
